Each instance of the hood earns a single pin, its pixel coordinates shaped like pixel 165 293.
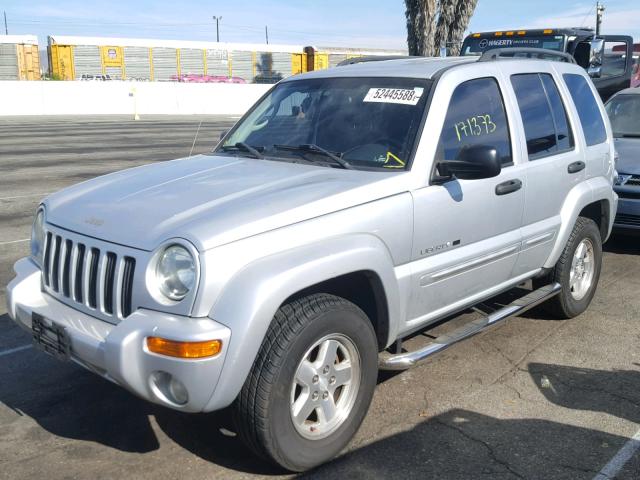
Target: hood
pixel 209 200
pixel 628 155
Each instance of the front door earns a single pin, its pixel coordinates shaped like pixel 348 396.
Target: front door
pixel 467 232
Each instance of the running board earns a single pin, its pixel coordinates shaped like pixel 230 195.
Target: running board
pixel 403 361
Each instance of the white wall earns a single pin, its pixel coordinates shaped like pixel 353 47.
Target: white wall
pixel 115 97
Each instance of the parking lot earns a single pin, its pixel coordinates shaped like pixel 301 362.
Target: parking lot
pixel 533 398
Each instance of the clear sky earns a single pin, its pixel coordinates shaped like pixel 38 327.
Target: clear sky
pixel 358 23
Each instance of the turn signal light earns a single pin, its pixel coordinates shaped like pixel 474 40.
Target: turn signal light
pixel 172 348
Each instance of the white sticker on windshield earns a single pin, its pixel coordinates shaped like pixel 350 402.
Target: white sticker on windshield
pixel 404 96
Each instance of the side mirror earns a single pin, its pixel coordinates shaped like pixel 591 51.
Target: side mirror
pixel 596 48
pixel 223 134
pixel 473 163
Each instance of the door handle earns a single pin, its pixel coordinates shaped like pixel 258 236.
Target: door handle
pixel 576 167
pixel 508 187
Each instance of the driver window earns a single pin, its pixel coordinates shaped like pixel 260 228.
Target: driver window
pixel 476 116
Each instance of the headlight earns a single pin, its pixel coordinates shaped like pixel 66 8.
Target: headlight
pixel 37 237
pixel 175 272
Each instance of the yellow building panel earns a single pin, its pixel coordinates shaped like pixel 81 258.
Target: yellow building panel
pixel 112 56
pixel 320 61
pixel 151 64
pixel 28 62
pixel 298 63
pixel 62 62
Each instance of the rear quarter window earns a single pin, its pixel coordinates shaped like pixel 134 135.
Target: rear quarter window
pixel 587 107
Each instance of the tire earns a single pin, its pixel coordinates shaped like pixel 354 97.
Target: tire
pixel 574 299
pixel 263 411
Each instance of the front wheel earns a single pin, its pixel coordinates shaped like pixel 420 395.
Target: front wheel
pixel 311 384
pixel 577 270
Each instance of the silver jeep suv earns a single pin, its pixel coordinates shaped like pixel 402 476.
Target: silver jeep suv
pixel 348 209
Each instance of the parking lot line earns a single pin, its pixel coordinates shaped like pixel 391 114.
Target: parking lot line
pixel 614 466
pixel 25 196
pixel 15 241
pixel 14 350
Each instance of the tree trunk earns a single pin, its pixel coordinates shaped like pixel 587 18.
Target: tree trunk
pixel 445 18
pixel 421 16
pixel 460 22
pixel 425 35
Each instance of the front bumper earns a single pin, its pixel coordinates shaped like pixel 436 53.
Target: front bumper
pixel 628 214
pixel 118 352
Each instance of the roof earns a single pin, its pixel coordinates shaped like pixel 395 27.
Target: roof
pixel 361 51
pixel 515 32
pixel 411 67
pixel 629 91
pixel 22 39
pixel 157 43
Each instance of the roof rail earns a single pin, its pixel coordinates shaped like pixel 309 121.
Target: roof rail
pixel 371 58
pixel 535 53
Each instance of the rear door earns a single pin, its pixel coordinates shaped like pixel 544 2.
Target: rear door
pixel 555 164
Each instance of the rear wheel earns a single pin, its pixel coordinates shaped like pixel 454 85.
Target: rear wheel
pixel 311 384
pixel 577 270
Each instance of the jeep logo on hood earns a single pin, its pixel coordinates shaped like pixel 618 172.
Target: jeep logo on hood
pixel 94 221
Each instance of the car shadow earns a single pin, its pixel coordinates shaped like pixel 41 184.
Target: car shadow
pixel 462 444
pixel 69 402
pixel 614 392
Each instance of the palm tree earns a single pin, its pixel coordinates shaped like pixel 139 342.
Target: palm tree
pixel 421 16
pixel 461 18
pixel 435 23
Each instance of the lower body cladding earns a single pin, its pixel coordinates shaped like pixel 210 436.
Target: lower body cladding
pixel 120 353
pixel 628 215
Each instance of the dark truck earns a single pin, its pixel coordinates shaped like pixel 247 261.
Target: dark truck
pixel 607 58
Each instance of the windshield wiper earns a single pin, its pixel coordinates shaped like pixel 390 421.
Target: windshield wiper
pixel 245 148
pixel 628 135
pixel 313 148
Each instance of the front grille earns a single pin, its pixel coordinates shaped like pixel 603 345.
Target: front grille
pixel 634 181
pixel 80 273
pixel 625 219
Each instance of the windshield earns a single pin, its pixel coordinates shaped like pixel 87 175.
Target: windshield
pixel 624 113
pixel 368 123
pixel 477 46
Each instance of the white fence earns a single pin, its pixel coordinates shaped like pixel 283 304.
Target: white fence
pixel 106 98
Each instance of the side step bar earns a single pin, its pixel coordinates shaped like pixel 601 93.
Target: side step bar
pixel 403 361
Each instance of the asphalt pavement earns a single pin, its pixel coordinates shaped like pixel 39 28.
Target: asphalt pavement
pixel 534 398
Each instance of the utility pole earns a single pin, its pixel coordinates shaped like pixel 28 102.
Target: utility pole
pixel 6 30
pixel 266 34
pixel 599 12
pixel 217 19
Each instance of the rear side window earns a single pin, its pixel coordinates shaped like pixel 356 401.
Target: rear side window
pixel 476 116
pixel 588 111
pixel 545 120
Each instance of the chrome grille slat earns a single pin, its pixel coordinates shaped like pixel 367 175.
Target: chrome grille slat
pixel 94 269
pixel 78 285
pixel 72 271
pixel 62 249
pixel 90 274
pixel 66 267
pixel 109 277
pixel 102 272
pixel 46 259
pixel 55 264
pixel 127 285
pixel 85 276
pixel 117 294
